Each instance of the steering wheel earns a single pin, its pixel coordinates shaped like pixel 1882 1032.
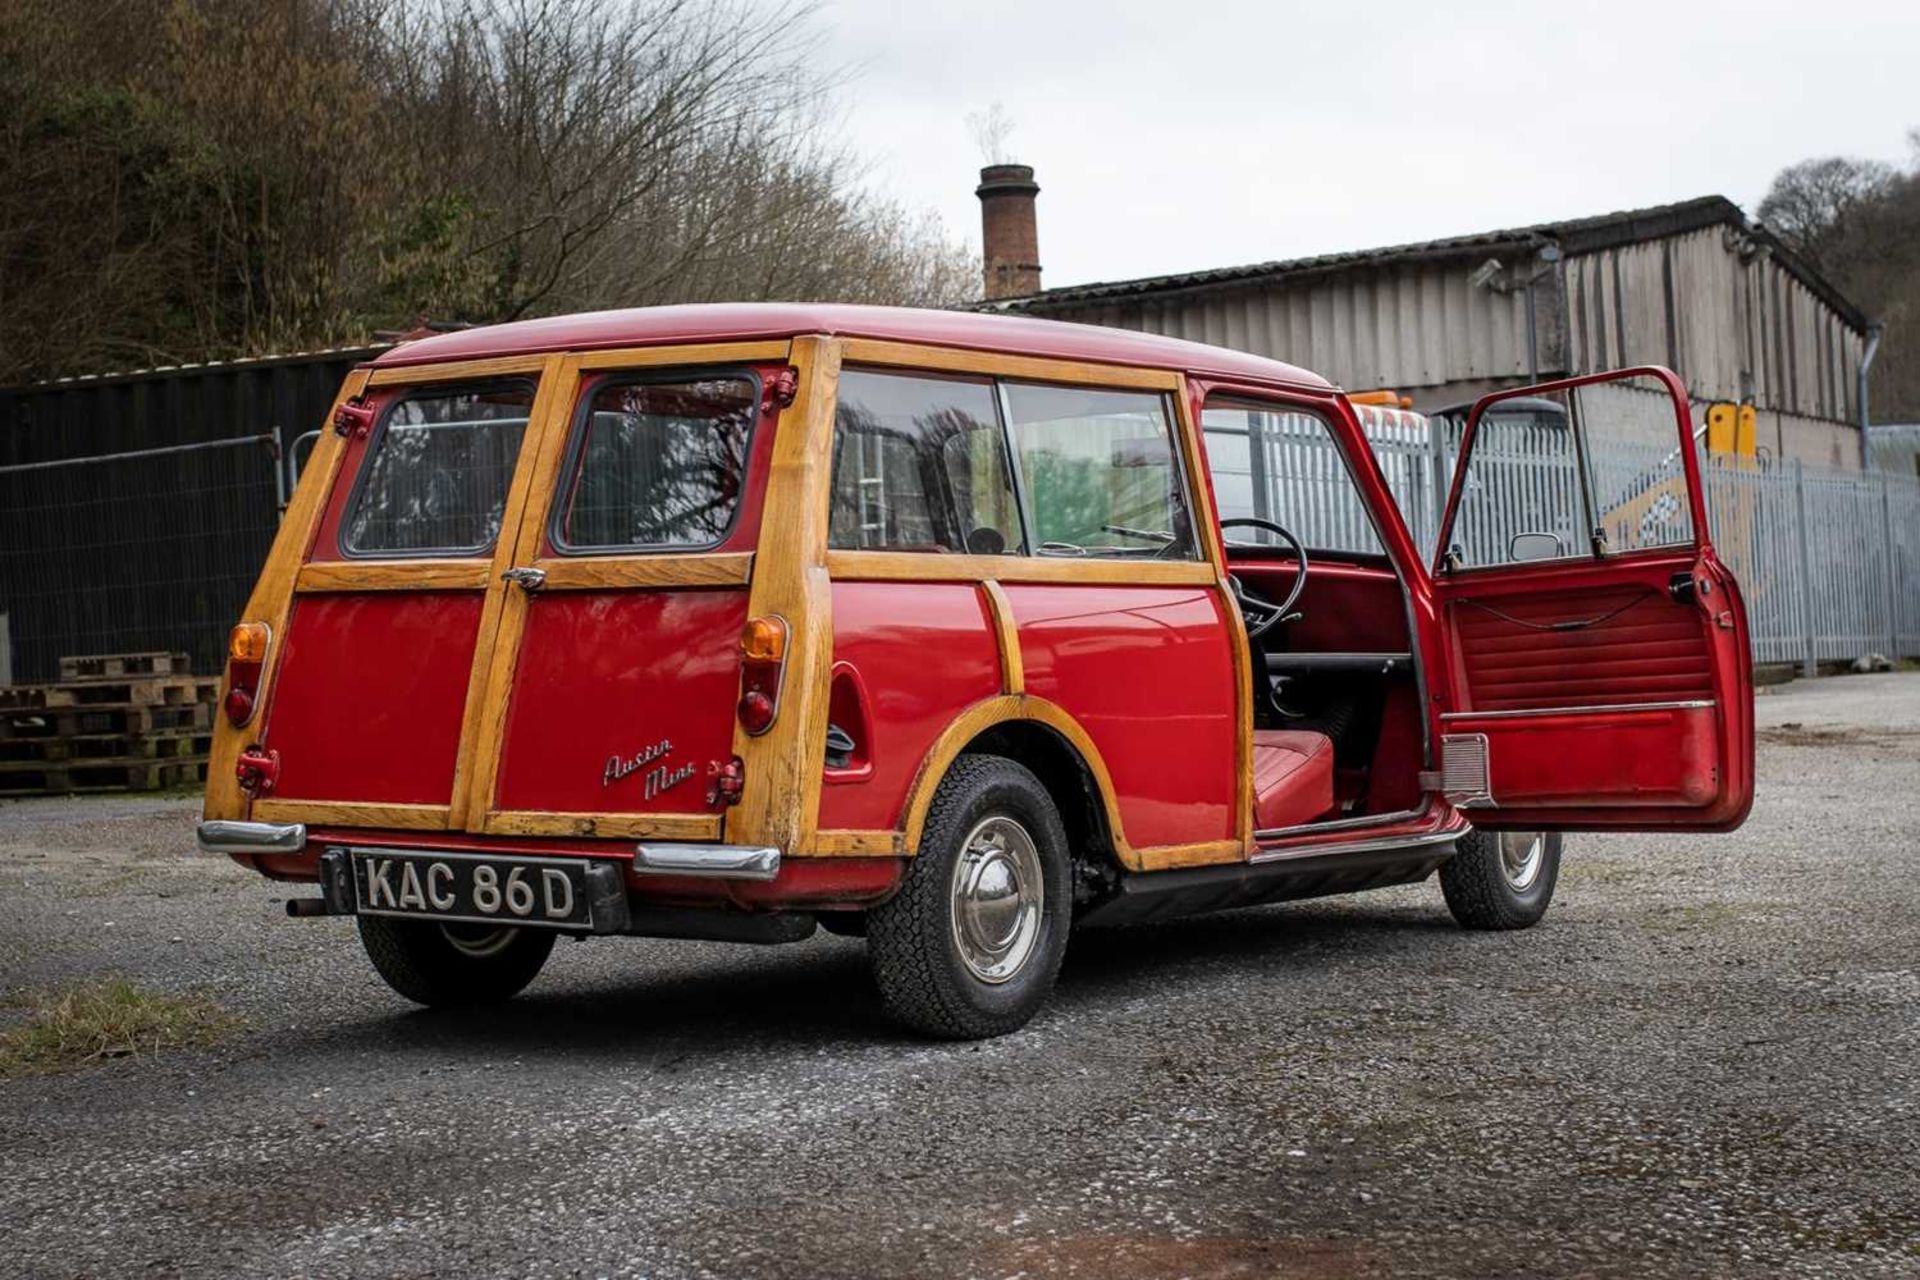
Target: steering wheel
pixel 1262 615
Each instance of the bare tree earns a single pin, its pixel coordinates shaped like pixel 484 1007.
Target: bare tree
pixel 1811 202
pixel 1859 222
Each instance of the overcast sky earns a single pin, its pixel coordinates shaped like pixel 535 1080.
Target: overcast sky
pixel 1185 134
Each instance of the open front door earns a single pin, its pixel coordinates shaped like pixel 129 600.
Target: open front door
pixel 1599 674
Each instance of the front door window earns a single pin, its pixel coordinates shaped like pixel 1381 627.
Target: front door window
pixel 1573 472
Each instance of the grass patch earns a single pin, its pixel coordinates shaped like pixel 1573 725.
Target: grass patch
pixel 88 1024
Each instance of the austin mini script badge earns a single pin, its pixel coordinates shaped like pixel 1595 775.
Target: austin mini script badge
pixel 660 775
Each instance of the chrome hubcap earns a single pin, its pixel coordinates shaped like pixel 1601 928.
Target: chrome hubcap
pixel 997 895
pixel 478 940
pixel 1522 854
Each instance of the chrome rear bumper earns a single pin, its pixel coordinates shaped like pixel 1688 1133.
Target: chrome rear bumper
pixel 252 837
pixel 712 861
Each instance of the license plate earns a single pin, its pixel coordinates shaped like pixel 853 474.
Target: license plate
pixel 478 888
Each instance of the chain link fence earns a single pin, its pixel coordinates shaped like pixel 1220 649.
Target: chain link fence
pixel 139 551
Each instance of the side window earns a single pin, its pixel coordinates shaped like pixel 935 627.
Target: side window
pixel 1281 464
pixel 919 464
pixel 435 481
pixel 657 464
pixel 1100 472
pixel 1573 473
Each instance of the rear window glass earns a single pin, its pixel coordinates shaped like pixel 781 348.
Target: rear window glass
pixel 658 464
pixel 436 482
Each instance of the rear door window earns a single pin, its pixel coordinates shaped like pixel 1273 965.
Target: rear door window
pixel 919 464
pixel 657 464
pixel 435 483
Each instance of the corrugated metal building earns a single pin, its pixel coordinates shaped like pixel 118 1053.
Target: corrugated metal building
pixel 1693 286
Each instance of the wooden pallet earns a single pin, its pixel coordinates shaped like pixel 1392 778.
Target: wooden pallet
pixel 99 720
pixel 29 753
pixel 76 777
pixel 163 691
pixel 124 666
pixel 114 722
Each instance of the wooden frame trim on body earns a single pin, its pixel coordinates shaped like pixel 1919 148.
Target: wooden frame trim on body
pixel 503 618
pixel 933 566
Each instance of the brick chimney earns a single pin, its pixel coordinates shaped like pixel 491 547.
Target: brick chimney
pixel 1009 237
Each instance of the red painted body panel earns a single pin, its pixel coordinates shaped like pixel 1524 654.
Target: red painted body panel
pixel 745 322
pixel 925 652
pixel 1570 758
pixel 606 675
pixel 1653 756
pixel 1148 673
pixel 369 696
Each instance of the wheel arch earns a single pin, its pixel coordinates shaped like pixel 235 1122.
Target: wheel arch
pixel 1046 739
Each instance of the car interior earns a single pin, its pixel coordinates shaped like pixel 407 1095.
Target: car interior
pixel 1337 730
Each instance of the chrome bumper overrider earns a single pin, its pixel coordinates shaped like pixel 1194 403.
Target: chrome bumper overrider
pixel 714 861
pixel 252 837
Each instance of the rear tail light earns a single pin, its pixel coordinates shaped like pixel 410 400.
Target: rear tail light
pixel 728 785
pixel 763 660
pixel 246 657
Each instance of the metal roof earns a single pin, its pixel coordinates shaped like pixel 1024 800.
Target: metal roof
pixel 1576 235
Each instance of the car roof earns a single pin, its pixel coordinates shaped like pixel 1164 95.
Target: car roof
pixel 746 321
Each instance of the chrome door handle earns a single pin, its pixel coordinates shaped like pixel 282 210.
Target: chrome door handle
pixel 528 580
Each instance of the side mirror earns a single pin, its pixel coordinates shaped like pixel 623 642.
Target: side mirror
pixel 1535 546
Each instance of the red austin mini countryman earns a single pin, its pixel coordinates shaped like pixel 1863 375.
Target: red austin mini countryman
pixel 957 632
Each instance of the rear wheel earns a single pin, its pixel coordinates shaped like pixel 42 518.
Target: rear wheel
pixel 449 965
pixel 971 944
pixel 1502 879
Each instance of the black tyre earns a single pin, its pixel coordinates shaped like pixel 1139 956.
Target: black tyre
pixel 452 965
pixel 971 944
pixel 1502 879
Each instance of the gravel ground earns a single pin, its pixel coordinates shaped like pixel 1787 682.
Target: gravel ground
pixel 1703 1063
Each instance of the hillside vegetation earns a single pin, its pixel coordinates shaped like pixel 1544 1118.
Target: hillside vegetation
pixel 198 179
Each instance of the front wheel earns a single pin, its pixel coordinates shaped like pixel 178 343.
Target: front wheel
pixel 449 965
pixel 970 945
pixel 1502 879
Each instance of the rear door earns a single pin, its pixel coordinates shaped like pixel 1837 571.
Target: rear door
pixel 610 702
pixel 394 596
pixel 1599 669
